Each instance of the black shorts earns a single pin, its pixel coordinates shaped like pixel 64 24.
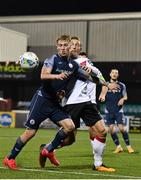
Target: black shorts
pixel 87 111
pixel 43 108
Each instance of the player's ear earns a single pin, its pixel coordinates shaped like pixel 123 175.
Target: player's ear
pixel 56 46
pixel 110 73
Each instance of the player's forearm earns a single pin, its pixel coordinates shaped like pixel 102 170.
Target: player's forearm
pixel 84 74
pixel 104 90
pixel 99 77
pixel 46 74
pixel 49 76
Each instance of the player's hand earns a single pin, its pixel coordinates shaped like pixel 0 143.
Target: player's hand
pixel 86 69
pixel 101 98
pixel 121 102
pixel 62 76
pixel 61 94
pixel 113 86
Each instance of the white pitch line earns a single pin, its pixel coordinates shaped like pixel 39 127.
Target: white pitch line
pixel 76 173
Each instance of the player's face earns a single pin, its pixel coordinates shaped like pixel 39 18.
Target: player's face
pixel 114 74
pixel 63 48
pixel 75 48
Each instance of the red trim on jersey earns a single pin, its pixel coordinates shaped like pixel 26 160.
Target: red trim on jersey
pixel 101 139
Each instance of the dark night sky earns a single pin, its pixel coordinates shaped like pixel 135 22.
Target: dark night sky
pixel 36 7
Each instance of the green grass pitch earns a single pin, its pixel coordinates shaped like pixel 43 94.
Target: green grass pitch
pixel 76 160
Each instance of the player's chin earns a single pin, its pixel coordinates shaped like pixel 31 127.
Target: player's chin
pixel 74 54
pixel 64 55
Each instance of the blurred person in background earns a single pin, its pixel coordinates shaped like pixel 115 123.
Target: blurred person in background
pixel 114 114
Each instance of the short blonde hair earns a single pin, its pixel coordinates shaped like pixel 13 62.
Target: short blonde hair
pixel 76 38
pixel 64 38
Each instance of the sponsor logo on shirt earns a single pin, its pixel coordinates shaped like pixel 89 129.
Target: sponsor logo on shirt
pixel 32 121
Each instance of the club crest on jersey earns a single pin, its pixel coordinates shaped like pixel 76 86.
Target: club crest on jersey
pixel 70 65
pixel 32 121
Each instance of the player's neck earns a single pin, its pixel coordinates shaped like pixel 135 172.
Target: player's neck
pixel 113 80
pixel 64 57
pixel 73 56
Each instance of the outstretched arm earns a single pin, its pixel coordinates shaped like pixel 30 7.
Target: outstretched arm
pixel 103 93
pixel 97 77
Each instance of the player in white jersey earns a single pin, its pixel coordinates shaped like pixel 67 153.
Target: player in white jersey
pixel 81 103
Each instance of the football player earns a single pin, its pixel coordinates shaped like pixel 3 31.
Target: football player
pixel 114 112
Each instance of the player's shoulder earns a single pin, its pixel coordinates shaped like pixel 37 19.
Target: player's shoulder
pixel 49 61
pixel 121 83
pixel 54 56
pixel 51 58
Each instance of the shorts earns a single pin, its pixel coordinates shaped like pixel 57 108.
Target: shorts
pixel 43 108
pixel 114 118
pixel 87 111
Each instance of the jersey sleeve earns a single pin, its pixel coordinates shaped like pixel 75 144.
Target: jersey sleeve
pixel 124 92
pixel 82 75
pixel 49 62
pixel 95 71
